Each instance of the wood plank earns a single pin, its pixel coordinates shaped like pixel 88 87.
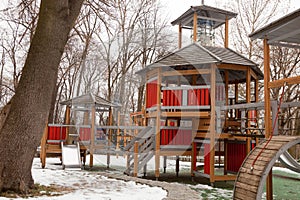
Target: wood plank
pixel 186 72
pixel 185 114
pixel 251 172
pixel 281 82
pixel 253 177
pixel 244 194
pixel 257 169
pixel 249 181
pixel 246 187
pixel 225 178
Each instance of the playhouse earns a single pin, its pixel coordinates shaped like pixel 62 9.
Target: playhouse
pixel 189 93
pixel 201 101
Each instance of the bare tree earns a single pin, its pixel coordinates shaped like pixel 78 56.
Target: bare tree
pixel 22 129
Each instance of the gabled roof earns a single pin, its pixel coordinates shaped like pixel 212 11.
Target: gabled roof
pixel 204 12
pixel 195 54
pixel 89 99
pixel 282 32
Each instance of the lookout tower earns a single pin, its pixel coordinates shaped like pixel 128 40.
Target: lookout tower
pixel 203 20
pixel 188 103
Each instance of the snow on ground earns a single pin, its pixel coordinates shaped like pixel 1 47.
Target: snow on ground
pixel 89 185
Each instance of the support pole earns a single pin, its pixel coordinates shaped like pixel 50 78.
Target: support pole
pixel 268 125
pixel 157 139
pixel 179 36
pixel 226 33
pixel 92 145
pixel 248 100
pixel 212 128
pixel 110 122
pixel 135 159
pixel 195 27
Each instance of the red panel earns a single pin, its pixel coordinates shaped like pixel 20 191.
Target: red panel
pixel 56 133
pixel 202 97
pixel 198 91
pixel 164 97
pixel 207 158
pixel 151 88
pixel 176 97
pixel 85 134
pixel 179 97
pixel 162 137
pixel 207 97
pixel 236 153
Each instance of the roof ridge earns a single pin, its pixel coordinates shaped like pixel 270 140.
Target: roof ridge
pixel 209 52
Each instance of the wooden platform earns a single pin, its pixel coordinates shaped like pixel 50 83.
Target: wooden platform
pixel 250 182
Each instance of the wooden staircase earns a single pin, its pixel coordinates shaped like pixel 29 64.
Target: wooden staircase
pixel 139 151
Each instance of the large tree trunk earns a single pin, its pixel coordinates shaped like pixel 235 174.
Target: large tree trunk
pixel 23 128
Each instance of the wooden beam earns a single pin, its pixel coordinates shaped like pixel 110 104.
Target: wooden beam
pixel 157 136
pixel 186 72
pixel 226 32
pixel 195 27
pixel 253 74
pixel 185 114
pixel 233 67
pixel 225 178
pixel 267 89
pixel 248 100
pixel 281 82
pixel 212 122
pixel 92 149
pixel 179 36
pixel 268 125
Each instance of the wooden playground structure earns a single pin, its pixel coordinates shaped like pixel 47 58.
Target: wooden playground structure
pixel 194 107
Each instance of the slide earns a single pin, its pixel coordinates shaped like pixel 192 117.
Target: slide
pixel 71 156
pixel 289 162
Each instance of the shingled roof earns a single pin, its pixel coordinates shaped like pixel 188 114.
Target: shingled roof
pixel 195 54
pixel 89 99
pixel 218 16
pixel 282 32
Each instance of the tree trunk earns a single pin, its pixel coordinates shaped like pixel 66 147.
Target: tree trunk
pixel 23 128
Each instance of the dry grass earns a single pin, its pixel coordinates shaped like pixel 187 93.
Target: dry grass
pixel 39 190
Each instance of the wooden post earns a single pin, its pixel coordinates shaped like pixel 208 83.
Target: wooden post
pixel 195 27
pixel 256 100
pixel 179 36
pixel 118 132
pixel 268 125
pixel 136 159
pixel 157 139
pixel 93 129
pixel 248 100
pixel 43 152
pixel 226 95
pixel 195 124
pixel 226 32
pixel 212 129
pixel 67 122
pixel 110 122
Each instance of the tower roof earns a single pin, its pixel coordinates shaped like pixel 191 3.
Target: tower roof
pixel 218 16
pixel 195 54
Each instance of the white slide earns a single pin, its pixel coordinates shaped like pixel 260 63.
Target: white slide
pixel 71 156
pixel 289 162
